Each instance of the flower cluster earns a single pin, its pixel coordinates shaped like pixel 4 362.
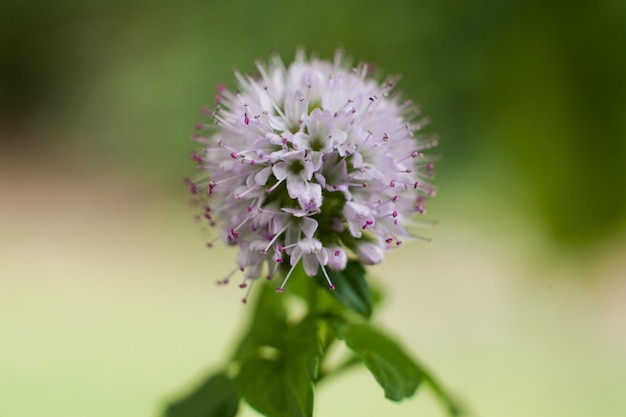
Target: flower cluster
pixel 311 164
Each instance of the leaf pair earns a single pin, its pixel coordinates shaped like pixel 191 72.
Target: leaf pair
pixel 275 366
pixel 280 383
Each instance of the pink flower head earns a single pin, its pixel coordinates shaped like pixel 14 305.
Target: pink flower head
pixel 310 163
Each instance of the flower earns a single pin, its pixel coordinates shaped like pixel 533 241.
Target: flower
pixel 310 164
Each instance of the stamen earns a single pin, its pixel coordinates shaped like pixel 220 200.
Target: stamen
pixel 227 278
pixel 282 286
pixel 274 239
pixel 330 283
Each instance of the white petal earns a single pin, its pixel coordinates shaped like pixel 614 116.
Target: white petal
pixel 295 211
pixel 355 229
pixel 322 257
pixel 353 210
pixel 320 179
pixel 338 137
pixel 296 254
pixel 296 187
pixel 307 172
pixel 308 226
pixel 316 161
pixel 261 177
pixel 280 171
pixel 301 141
pixel 370 253
pixel 310 263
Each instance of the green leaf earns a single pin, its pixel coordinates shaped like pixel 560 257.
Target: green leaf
pixel 394 370
pixel 217 397
pixel 351 287
pixel 279 382
pixel 268 324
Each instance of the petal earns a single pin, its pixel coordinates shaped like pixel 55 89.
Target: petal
pixel 280 171
pixel 316 160
pixel 320 179
pixel 261 177
pixel 296 187
pixel 370 253
pixel 295 106
pixel 338 137
pixel 307 172
pixel 355 228
pixel 301 141
pixel 322 257
pixel 295 211
pixel 295 255
pixel 308 226
pixel 310 263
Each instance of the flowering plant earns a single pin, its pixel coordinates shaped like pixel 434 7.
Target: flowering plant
pixel 312 171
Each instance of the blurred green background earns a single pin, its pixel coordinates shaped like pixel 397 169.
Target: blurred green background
pixel 108 304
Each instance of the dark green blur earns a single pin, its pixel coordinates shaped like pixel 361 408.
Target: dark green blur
pixel 529 96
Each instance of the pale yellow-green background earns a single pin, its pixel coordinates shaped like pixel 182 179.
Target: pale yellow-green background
pixel 108 302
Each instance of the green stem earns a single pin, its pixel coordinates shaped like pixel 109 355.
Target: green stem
pixel 344 366
pixel 442 395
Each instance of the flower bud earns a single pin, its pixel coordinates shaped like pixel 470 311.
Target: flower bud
pixel 337 258
pixel 370 253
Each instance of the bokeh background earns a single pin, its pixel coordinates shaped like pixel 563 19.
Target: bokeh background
pixel 108 303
